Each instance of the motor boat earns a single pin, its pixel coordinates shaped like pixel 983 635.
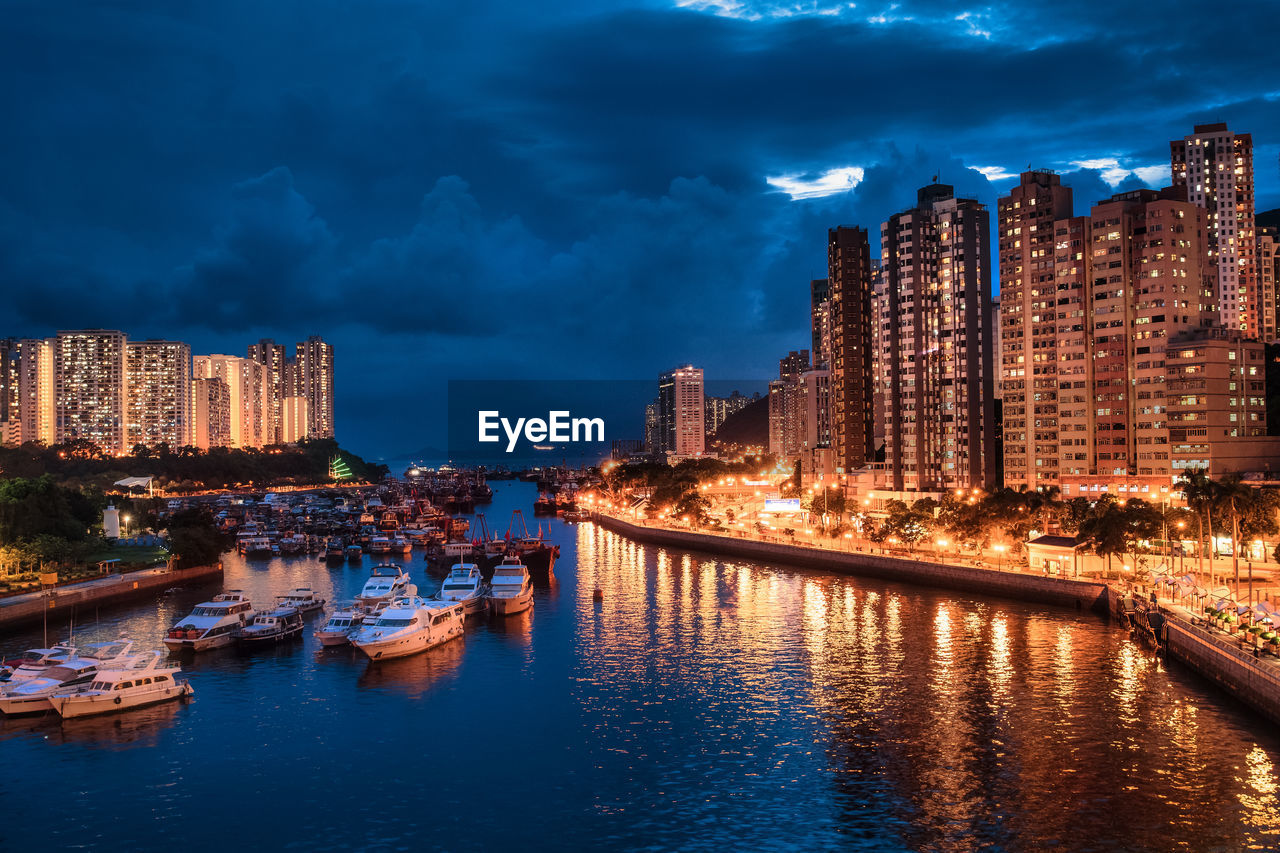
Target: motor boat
pixel 386 581
pixel 380 545
pixel 122 689
pixel 354 553
pixel 303 599
pixel 35 662
pixel 465 585
pixel 511 588
pixel 257 546
pixel 270 627
pixel 400 545
pixel 32 695
pixel 408 625
pixel 333 550
pixel 212 624
pixel 342 624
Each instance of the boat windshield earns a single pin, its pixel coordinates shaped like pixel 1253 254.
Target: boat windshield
pixel 395 623
pixel 61 673
pixel 211 610
pixel 459 586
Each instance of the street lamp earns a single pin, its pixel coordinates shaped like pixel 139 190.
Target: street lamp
pixel 999 558
pixel 125 518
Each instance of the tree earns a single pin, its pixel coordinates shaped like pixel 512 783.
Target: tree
pixel 1200 493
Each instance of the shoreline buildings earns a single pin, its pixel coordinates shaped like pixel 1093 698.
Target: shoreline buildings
pixel 97 385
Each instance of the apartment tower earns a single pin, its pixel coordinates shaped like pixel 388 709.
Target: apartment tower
pixel 1027 331
pixel 936 344
pixel 850 351
pixel 1213 169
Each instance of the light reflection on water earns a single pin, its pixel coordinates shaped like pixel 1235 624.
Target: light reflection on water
pixel 788 708
pixel 701 704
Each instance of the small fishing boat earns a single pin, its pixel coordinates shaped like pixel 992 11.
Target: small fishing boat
pixel 342 624
pixel 303 599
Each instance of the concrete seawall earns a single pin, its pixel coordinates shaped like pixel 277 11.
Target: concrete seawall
pixel 1063 592
pixel 1254 681
pixel 114 589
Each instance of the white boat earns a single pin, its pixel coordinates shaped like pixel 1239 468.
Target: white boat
pixel 34 662
pixel 386 581
pixel 510 589
pixel 252 546
pixel 400 545
pixel 212 624
pixel 409 625
pixel 380 545
pixel 121 689
pixel 465 585
pixel 303 599
pixel 32 695
pixel 342 624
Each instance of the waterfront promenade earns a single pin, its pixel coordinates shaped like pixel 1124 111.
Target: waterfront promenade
pixel 108 589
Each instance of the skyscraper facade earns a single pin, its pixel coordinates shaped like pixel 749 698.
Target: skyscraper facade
pixel 245 381
pixel 314 372
pixel 211 413
pixel 936 340
pixel 1028 357
pixel 1213 169
pixel 850 349
pixel 89 369
pixel 681 411
pixel 274 363
pixel 158 394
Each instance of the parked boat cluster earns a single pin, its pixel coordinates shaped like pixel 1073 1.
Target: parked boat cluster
pixel 388 619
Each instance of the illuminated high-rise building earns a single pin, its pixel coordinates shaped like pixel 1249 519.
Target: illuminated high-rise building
pixel 681 411
pixel 211 413
pixel 277 387
pixel 850 353
pixel 1027 351
pixel 295 417
pixel 157 394
pixel 1213 169
pixel 936 339
pixel 245 380
pixel 314 380
pixel 89 388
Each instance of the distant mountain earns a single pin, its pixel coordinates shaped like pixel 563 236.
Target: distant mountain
pixel 748 426
pixel 1269 219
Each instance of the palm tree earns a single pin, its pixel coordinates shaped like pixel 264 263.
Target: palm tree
pixel 1200 493
pixel 1235 500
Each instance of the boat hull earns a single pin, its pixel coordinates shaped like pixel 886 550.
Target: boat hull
pixel 199 644
pixel 16 706
pixel 511 606
pixel 89 705
pixel 399 647
pixel 332 638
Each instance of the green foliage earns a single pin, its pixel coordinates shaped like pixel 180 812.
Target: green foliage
pixel 80 464
pixel 195 538
pixel 31 508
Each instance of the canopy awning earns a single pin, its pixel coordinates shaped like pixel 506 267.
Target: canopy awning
pixel 135 482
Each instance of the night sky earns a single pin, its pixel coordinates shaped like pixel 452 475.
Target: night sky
pixel 570 189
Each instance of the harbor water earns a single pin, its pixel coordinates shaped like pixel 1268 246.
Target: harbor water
pixel 698 705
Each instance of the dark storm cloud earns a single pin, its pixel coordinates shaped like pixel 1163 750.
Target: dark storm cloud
pixel 426 177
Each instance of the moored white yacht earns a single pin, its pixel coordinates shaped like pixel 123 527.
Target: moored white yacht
pixel 212 624
pixel 510 589
pixel 465 585
pixel 32 695
pixel 342 624
pixel 34 662
pixel 121 689
pixel 303 599
pixel 386 581
pixel 409 625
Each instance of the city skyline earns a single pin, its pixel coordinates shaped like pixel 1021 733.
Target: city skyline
pixel 395 199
